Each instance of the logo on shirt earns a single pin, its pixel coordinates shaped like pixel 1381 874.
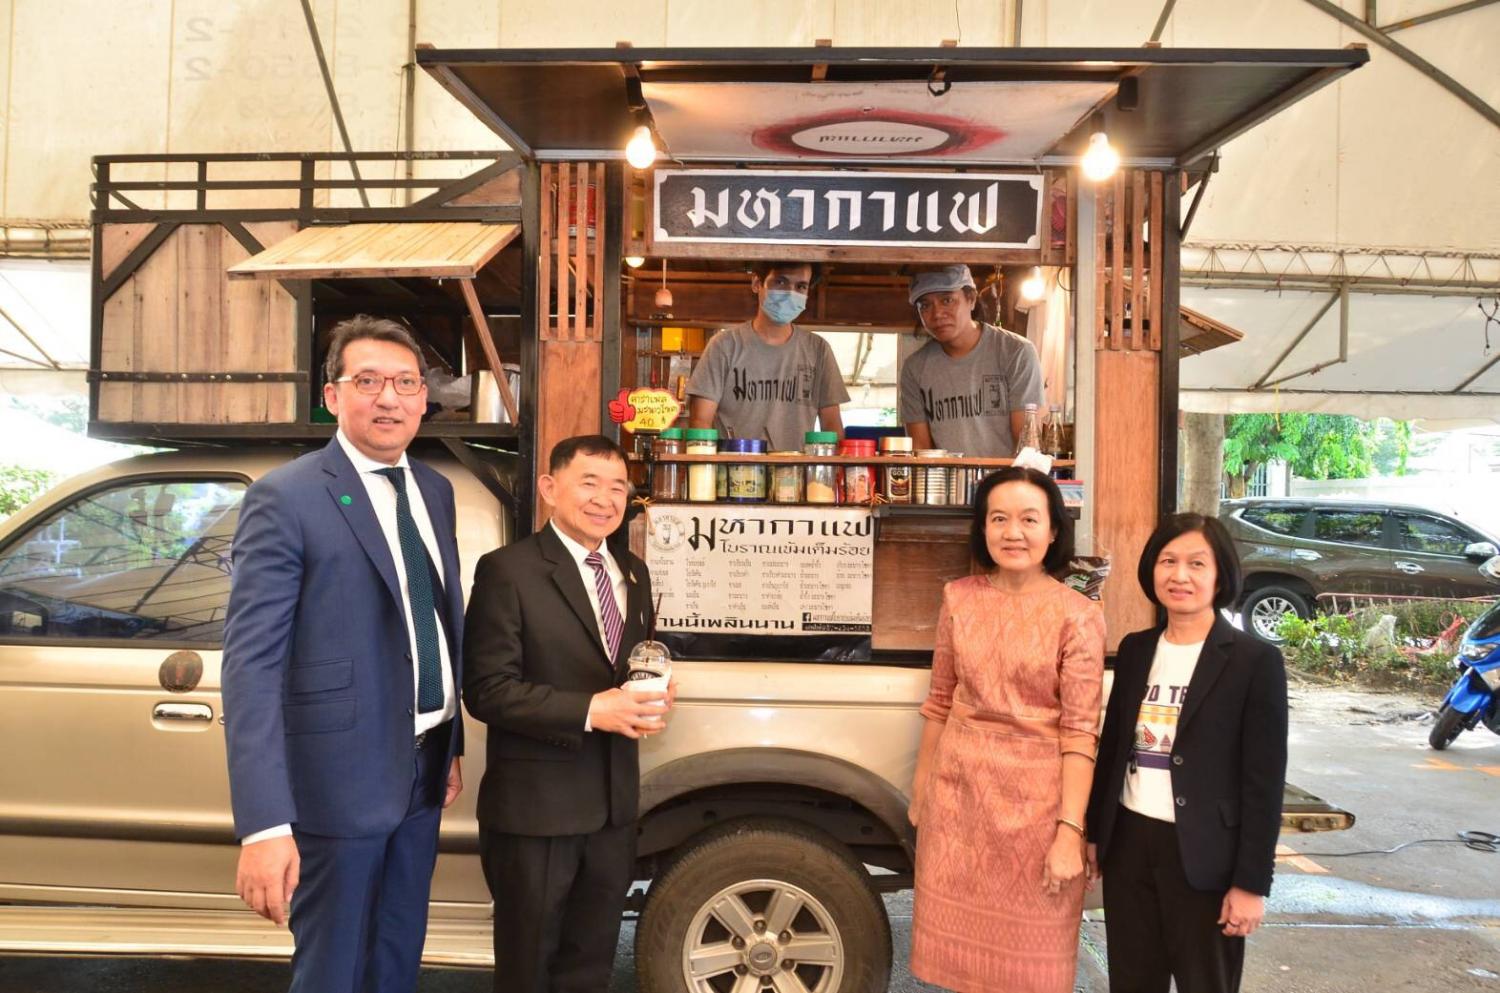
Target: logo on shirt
pixel 796 389
pixel 994 394
pixel 983 401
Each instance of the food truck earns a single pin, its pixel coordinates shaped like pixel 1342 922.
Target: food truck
pixel 569 286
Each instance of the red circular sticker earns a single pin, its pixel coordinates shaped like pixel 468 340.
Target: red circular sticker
pixel 872 132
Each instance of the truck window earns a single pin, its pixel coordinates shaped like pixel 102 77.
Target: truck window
pixel 146 560
pixel 1351 527
pixel 1282 520
pixel 1434 535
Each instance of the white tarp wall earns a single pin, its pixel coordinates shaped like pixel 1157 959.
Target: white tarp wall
pixel 1385 159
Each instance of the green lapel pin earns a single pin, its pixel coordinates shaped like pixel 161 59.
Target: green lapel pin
pixel 346 499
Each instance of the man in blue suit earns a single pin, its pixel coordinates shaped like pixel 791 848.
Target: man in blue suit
pixel 341 676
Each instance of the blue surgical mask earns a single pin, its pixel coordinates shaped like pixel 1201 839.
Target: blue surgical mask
pixel 784 306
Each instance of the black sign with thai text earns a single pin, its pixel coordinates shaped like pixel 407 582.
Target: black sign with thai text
pixel 955 210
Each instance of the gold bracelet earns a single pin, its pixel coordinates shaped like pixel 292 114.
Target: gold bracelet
pixel 1074 825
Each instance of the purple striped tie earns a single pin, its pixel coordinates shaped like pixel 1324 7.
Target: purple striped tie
pixel 609 611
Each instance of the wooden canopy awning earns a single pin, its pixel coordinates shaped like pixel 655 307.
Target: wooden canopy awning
pixel 1198 332
pixel 436 249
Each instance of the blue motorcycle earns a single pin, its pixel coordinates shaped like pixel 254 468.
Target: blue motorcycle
pixel 1475 698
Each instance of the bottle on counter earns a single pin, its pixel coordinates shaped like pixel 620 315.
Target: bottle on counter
pixel 702 477
pixel 859 480
pixel 1052 437
pixel 822 485
pixel 895 480
pixel 746 480
pixel 667 478
pixel 1031 433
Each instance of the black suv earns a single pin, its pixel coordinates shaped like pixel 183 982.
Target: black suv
pixel 1294 550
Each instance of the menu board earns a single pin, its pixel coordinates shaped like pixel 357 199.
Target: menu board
pixel 763 580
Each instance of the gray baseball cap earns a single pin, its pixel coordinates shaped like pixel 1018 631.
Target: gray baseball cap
pixel 946 279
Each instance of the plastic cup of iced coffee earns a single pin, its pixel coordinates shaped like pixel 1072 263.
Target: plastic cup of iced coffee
pixel 649 670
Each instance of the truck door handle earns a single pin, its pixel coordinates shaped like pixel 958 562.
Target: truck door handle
pixel 1410 568
pixel 1306 554
pixel 182 713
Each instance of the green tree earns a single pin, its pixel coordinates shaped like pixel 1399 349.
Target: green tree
pixel 1315 446
pixel 20 485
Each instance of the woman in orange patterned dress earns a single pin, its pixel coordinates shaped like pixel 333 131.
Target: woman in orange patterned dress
pixel 1007 754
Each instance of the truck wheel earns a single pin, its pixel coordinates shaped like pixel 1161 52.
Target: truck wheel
pixel 1265 607
pixel 762 904
pixel 1446 729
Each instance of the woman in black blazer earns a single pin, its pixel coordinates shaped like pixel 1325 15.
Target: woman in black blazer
pixel 1186 803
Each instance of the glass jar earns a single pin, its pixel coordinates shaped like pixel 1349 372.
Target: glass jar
pixel 822 481
pixel 895 480
pixel 702 478
pixel 667 482
pixel 932 480
pixel 859 480
pixel 786 481
pixel 746 480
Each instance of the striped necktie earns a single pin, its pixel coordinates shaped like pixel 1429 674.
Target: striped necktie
pixel 419 596
pixel 609 611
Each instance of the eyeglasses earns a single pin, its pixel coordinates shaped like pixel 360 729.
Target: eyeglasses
pixel 406 384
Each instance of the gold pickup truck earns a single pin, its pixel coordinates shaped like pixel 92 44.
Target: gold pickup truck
pixel 780 788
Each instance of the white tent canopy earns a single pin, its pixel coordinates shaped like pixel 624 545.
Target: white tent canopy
pixel 1387 159
pixel 1405 356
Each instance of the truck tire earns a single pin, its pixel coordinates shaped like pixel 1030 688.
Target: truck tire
pixel 1264 607
pixel 763 898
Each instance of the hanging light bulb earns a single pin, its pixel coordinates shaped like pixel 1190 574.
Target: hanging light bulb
pixel 634 261
pixel 1034 287
pixel 664 295
pixel 640 151
pixel 1101 160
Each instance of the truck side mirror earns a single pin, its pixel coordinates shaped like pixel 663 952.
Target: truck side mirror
pixel 1479 551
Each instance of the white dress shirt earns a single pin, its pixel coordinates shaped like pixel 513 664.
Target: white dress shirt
pixel 586 572
pixel 382 494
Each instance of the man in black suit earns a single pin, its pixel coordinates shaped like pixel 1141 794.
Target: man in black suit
pixel 551 622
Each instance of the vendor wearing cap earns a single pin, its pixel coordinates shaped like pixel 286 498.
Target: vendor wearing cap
pixel 966 390
pixel 768 378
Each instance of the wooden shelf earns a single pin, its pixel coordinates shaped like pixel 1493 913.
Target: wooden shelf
pixel 743 458
pixel 944 510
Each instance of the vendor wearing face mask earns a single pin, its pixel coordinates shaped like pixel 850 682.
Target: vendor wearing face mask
pixel 768 378
pixel 966 390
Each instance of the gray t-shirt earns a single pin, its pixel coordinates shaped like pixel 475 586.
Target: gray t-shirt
pixel 768 391
pixel 966 403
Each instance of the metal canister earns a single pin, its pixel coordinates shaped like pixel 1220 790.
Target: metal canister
pixel 961 482
pixel 896 480
pixel 786 481
pixel 668 480
pixel 746 480
pixel 932 480
pixel 822 480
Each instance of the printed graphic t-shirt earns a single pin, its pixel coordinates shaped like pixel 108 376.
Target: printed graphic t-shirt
pixel 766 390
pixel 1148 778
pixel 966 403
